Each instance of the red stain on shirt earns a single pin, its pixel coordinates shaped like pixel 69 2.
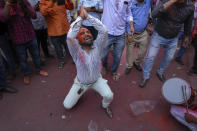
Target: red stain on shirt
pixel 81 57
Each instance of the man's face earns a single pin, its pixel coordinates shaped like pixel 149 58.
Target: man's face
pixel 85 37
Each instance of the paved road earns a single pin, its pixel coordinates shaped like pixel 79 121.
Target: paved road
pixel 38 106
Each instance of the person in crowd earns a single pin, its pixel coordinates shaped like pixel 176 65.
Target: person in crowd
pixel 7 52
pixel 5 46
pixel 40 29
pixel 140 10
pixel 18 17
pixel 187 118
pixel 193 69
pixel 57 23
pixel 115 15
pixel 181 38
pixel 86 53
pixel 183 49
pixel 171 14
pixel 95 9
pixel 4 11
pixel 4 87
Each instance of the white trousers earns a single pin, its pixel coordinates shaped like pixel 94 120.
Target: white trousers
pixel 78 89
pixel 179 113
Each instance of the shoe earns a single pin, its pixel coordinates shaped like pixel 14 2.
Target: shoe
pixel 104 71
pixel 115 76
pixel 143 82
pixel 138 67
pixel 191 72
pixel 127 71
pixel 180 62
pixel 43 73
pixel 27 80
pixel 10 89
pixel 161 77
pixel 61 65
pixel 109 112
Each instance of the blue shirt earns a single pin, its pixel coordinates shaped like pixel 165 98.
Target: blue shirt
pixel 91 3
pixel 115 15
pixel 140 15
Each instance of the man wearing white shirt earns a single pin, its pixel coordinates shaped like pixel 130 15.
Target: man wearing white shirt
pixel 115 15
pixel 86 53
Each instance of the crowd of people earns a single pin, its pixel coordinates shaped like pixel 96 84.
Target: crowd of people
pixel 97 27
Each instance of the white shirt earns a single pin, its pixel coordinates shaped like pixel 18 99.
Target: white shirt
pixel 115 18
pixel 87 64
pixel 39 22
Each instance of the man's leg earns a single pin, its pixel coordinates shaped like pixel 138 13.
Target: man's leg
pixel 58 49
pixel 129 53
pixel 21 51
pixel 3 82
pixel 33 49
pixel 74 94
pixel 64 43
pixel 149 60
pixel 4 45
pixel 181 50
pixel 143 42
pixel 44 43
pixel 119 45
pixel 169 51
pixel 38 38
pixel 105 52
pixel 194 67
pixel 181 38
pixel 180 54
pixel 152 53
pixel 104 90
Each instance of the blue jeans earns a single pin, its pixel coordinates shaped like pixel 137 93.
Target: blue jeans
pixel 58 41
pixel 21 50
pixel 4 45
pixel 3 82
pixel 118 43
pixel 157 41
pixel 182 48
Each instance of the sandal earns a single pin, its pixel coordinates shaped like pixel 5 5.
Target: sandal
pixel 115 76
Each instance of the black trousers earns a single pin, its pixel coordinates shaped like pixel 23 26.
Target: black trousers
pixel 42 36
pixel 194 43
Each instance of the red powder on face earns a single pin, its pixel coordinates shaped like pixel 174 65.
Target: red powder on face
pixel 83 32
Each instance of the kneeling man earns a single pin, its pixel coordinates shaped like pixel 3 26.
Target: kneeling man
pixel 86 53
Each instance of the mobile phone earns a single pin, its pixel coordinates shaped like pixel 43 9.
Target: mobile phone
pixel 61 2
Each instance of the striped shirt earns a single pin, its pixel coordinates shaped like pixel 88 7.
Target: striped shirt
pixel 87 64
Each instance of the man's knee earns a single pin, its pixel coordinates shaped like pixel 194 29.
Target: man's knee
pixel 67 104
pixel 150 58
pixel 109 96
